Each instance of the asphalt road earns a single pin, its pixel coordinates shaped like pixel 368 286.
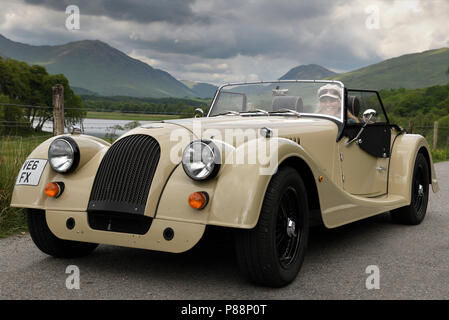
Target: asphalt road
pixel 413 263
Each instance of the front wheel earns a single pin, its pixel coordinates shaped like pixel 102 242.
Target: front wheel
pixel 272 253
pixel 48 243
pixel 414 213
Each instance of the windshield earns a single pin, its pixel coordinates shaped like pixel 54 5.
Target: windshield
pixel 322 98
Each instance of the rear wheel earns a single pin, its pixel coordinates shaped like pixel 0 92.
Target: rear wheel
pixel 414 213
pixel 272 253
pixel 48 243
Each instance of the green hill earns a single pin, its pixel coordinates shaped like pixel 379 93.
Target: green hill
pixel 308 72
pixel 411 71
pixel 98 67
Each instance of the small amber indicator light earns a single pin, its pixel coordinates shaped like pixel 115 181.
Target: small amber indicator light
pixel 198 200
pixel 320 178
pixel 52 189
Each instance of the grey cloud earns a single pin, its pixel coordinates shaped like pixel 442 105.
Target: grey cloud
pixel 297 32
pixel 248 41
pixel 331 45
pixel 273 12
pixel 171 11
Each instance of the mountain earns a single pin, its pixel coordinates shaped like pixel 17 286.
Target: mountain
pixel 308 72
pixel 201 89
pixel 100 68
pixel 410 71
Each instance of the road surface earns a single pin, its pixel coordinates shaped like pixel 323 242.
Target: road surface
pixel 413 263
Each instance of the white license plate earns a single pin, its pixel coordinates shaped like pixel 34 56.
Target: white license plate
pixel 31 172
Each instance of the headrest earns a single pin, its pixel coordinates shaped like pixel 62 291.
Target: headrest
pixel 354 105
pixel 288 102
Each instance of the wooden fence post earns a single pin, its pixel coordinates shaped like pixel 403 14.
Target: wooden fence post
pixel 58 109
pixel 411 124
pixel 435 135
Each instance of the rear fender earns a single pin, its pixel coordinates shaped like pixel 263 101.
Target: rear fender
pixel 402 162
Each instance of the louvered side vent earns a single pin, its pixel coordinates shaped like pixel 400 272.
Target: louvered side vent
pixel 295 139
pixel 123 180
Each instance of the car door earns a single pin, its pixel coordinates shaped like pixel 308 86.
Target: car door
pixel 365 149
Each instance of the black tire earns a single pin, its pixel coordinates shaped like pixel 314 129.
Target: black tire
pixel 272 254
pixel 48 243
pixel 414 213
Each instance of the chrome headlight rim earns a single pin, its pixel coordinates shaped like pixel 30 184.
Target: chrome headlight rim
pixel 75 151
pixel 210 145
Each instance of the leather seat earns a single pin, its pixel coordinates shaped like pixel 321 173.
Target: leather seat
pixel 287 102
pixel 354 105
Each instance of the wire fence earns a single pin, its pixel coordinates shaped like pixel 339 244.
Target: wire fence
pixel 429 133
pixel 116 126
pixel 95 110
pixel 37 118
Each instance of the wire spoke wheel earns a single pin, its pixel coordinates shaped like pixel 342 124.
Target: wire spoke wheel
pixel 414 213
pixel 288 228
pixel 419 189
pixel 273 252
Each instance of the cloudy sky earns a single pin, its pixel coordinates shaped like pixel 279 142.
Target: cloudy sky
pixel 220 41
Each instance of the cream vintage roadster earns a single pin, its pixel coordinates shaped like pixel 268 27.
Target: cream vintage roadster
pixel 268 160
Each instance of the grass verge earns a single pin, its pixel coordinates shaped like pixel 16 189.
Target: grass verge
pixel 13 152
pixel 440 155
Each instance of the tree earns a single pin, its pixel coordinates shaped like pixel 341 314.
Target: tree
pixel 12 120
pixel 32 85
pixel 132 125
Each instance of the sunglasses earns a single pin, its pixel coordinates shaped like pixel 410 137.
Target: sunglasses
pixel 330 91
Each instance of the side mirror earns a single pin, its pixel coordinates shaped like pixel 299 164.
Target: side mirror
pixel 198 113
pixel 369 116
pixel 75 129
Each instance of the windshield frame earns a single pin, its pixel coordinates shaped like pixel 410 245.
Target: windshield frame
pixel 340 120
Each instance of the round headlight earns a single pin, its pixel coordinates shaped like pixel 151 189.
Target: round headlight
pixel 63 155
pixel 201 160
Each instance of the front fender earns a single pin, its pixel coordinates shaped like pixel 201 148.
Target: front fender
pixel 237 193
pixel 78 183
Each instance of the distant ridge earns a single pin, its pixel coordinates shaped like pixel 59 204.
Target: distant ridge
pixel 82 91
pixel 202 90
pixel 308 72
pixel 410 71
pixel 94 67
